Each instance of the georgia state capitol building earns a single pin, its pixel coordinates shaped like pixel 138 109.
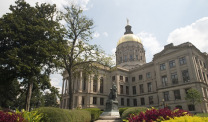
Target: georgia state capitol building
pixel 162 82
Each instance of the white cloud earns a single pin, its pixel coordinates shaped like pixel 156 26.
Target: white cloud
pixel 105 34
pixel 84 4
pixel 56 81
pixel 151 44
pixel 113 51
pixel 196 33
pixel 96 35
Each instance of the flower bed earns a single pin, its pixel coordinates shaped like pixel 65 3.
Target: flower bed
pixel 157 115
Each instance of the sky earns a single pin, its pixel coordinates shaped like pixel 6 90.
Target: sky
pixel 156 22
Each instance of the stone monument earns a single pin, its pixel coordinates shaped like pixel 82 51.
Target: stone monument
pixel 111 110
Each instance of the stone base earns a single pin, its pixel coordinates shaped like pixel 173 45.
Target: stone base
pixel 110 115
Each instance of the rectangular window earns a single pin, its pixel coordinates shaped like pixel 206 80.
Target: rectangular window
pixel 166 95
pixel 128 102
pixel 186 90
pixel 120 60
pixel 177 94
pixel 164 80
pixel 172 63
pixel 204 76
pixel 126 79
pixel 136 57
pixel 101 101
pixel 140 77
pixel 121 89
pixel 94 84
pixel 122 101
pixel 199 73
pixel 83 100
pixel 196 59
pixel 101 85
pixel 162 66
pixel 191 107
pixel 84 83
pixel 121 78
pixel 185 76
pixel 182 60
pixel 148 75
pixel 113 78
pixel 127 90
pixel 133 79
pixel 151 100
pixel 135 102
pixel 125 58
pixel 141 88
pixel 94 100
pixel 131 57
pixel 142 101
pixel 134 89
pixel 174 78
pixel 149 85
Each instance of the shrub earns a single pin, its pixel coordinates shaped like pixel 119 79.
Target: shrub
pixel 51 114
pixel 188 119
pixel 157 115
pixel 32 116
pixel 95 113
pixel 133 110
pixel 10 117
pixel 121 110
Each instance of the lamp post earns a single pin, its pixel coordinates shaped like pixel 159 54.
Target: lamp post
pixel 163 103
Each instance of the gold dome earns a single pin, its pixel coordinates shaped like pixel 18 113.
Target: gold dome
pixel 129 37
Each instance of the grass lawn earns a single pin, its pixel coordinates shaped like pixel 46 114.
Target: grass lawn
pixel 202 114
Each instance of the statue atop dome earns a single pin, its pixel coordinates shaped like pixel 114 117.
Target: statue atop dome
pixel 127 21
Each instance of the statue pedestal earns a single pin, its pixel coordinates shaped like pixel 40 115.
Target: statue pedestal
pixel 111 111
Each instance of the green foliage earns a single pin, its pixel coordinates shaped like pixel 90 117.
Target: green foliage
pixel 50 99
pixel 95 113
pixel 30 38
pixel 8 93
pixel 121 110
pixel 32 116
pixel 133 110
pixel 51 114
pixel 193 96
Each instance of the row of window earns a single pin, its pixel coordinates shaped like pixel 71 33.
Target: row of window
pixel 174 78
pixel 172 63
pixel 131 58
pixel 121 78
pixel 141 87
pixel 142 100
pixel 177 95
pixel 95 84
pixel 94 102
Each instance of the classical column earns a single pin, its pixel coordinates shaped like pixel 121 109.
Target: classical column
pixel 66 85
pixel 80 82
pixel 98 84
pixel 62 93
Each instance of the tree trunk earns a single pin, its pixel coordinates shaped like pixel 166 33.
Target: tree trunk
pixel 28 96
pixel 70 88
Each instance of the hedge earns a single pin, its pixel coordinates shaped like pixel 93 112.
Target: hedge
pixel 121 110
pixel 51 114
pixel 133 110
pixel 95 113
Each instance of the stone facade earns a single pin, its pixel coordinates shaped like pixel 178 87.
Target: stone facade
pixel 163 81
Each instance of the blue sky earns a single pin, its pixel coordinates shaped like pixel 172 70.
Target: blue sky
pixel 156 22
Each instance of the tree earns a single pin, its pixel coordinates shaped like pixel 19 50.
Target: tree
pixel 193 96
pixel 29 42
pixel 78 53
pixel 50 98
